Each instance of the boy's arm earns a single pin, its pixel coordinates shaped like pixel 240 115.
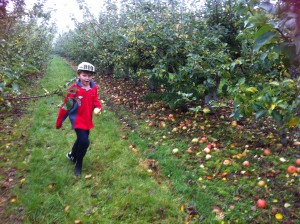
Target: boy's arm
pixel 64 109
pixel 62 115
pixel 97 103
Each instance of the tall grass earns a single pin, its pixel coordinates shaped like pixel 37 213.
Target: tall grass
pixel 114 187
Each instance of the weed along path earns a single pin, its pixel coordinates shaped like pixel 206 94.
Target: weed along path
pixel 114 186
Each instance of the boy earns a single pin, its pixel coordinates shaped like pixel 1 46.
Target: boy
pixel 79 104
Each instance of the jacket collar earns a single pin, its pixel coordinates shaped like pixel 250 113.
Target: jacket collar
pixel 92 83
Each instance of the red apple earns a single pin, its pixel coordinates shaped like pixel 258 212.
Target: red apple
pixel 261 203
pixel 291 169
pixel 151 124
pixel 209 145
pixel 189 151
pixel 246 163
pixel 214 145
pixel 203 139
pixel 267 152
pixel 298 162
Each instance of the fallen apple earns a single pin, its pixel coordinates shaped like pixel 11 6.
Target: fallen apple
pixel 267 152
pixel 261 183
pixel 151 124
pixel 209 145
pixel 203 139
pixel 189 151
pixel 234 123
pixel 298 162
pixel 292 169
pixel 195 140
pixel 208 156
pixel 206 150
pixel 261 203
pixel 246 163
pixel 226 162
pixel 175 150
pixel 175 129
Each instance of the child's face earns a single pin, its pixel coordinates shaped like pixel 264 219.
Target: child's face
pixel 85 78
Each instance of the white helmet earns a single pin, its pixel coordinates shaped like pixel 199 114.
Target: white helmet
pixel 85 66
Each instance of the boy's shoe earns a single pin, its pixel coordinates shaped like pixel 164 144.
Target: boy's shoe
pixel 70 157
pixel 77 171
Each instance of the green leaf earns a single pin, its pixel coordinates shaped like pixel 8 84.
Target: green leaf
pixel 260 113
pixel 274 83
pixel 262 40
pixel 69 103
pixel 258 20
pixel 293 122
pixel 263 29
pixel 251 90
pixel 276 115
pixel 206 110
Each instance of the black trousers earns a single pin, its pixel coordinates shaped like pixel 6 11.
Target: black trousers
pixel 80 146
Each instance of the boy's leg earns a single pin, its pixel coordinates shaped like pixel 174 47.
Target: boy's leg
pixel 74 150
pixel 81 148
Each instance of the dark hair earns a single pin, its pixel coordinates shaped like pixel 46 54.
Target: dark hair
pixel 80 71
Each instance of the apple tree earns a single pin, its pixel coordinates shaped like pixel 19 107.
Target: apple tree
pixel 274 89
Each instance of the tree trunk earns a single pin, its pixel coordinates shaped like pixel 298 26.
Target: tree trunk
pixel 153 83
pixel 212 92
pixel 110 69
pixel 127 74
pixel 212 95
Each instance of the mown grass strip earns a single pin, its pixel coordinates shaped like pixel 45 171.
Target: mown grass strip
pixel 117 189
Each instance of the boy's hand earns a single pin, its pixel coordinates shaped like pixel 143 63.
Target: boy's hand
pixel 97 111
pixel 58 126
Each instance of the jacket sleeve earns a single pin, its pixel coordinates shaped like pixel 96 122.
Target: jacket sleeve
pixel 96 100
pixel 64 110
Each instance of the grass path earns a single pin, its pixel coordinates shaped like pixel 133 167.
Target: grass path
pixel 114 187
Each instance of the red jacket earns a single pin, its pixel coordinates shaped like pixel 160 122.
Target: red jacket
pixel 79 105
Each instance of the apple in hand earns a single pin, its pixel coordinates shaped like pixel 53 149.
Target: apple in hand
pixel 97 111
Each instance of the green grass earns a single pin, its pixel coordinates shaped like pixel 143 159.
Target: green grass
pixel 120 190
pixel 219 193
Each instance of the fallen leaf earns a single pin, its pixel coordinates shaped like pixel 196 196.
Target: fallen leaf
pixel 88 176
pixel 67 208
